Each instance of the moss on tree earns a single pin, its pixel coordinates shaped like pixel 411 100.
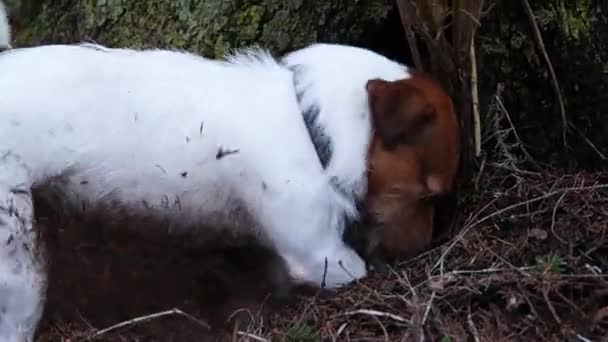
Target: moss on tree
pixel 209 27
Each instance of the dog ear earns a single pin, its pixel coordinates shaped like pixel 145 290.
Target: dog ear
pixel 400 112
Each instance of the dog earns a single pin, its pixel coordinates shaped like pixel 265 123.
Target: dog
pixel 395 141
pixel 288 148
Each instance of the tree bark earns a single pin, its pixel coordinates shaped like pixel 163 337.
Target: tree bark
pixel 575 36
pixel 207 27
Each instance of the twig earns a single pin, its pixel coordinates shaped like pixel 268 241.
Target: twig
pixel 341 329
pixel 141 319
pixel 521 270
pixel 538 198
pixel 496 113
pixel 589 142
pixel 541 45
pixel 529 302
pixel 474 331
pixel 550 306
pixel 236 312
pixel 384 331
pixel 428 308
pixel 579 276
pixel 406 21
pixel 471 16
pixel 600 314
pixel 504 110
pixel 323 284
pixel 235 331
pixel 330 331
pixel 559 238
pixel 415 319
pixel 479 174
pixel 374 313
pixel 572 305
pixel 405 282
pixel 468 227
pixel 582 338
pixel 475 99
pixel 252 336
pixel 487 270
pixel 357 280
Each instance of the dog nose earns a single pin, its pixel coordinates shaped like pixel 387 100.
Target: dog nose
pixel 435 185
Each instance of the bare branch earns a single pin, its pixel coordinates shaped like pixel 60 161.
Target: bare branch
pixel 541 45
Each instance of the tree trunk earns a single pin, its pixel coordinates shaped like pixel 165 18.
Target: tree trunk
pixel 207 27
pixel 575 35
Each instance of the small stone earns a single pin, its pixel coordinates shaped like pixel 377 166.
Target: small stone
pixel 539 234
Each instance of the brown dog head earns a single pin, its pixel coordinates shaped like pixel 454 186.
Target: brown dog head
pixel 413 159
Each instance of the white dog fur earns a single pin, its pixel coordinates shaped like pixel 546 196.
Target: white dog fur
pixel 148 129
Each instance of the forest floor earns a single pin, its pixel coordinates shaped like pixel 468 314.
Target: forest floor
pixel 527 260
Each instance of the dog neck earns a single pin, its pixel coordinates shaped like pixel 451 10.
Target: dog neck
pixel 310 114
pixel 329 82
pixel 320 137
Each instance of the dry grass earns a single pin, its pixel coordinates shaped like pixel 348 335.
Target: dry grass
pixel 527 265
pixel 528 262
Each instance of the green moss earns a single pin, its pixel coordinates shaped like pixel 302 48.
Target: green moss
pixel 221 47
pixel 517 40
pixel 376 9
pixel 207 27
pixel 248 21
pixel 11 3
pixel 31 33
pixel 277 37
pixel 575 19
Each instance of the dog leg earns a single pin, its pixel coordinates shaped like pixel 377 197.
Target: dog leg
pixel 21 277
